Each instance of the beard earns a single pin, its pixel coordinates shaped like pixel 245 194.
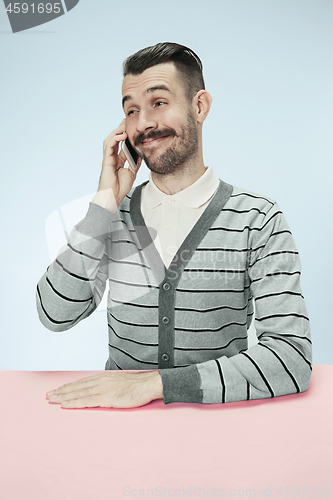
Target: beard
pixel 174 158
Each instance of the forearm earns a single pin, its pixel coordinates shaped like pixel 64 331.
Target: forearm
pixel 281 362
pixel 271 368
pixel 74 283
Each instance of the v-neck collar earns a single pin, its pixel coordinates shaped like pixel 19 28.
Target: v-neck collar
pixel 188 247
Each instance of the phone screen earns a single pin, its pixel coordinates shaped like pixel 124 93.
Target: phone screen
pixel 132 151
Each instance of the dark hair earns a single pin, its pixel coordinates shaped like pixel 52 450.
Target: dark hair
pixel 186 61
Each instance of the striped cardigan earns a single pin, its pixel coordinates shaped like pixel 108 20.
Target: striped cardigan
pixel 190 321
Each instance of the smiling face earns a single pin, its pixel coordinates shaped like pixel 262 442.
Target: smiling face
pixel 160 121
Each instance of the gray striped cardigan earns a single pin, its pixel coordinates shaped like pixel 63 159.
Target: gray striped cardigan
pixel 190 321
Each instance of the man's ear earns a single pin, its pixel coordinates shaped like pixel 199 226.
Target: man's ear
pixel 202 102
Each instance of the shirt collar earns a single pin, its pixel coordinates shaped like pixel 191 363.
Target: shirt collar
pixel 193 196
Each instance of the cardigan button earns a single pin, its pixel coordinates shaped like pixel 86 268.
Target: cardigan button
pixel 166 286
pixel 165 320
pixel 165 357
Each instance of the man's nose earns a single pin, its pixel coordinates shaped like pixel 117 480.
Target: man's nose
pixel 145 121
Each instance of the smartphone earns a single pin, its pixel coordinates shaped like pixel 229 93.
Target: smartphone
pixel 131 155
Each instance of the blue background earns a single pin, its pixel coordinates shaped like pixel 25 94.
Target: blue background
pixel 268 66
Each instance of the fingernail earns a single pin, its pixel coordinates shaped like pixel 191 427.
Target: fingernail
pixel 64 402
pixel 49 393
pixel 54 396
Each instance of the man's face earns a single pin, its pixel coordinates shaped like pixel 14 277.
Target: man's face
pixel 160 122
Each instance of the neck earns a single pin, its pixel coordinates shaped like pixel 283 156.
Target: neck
pixel 173 183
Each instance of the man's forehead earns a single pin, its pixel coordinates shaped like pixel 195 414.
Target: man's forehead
pixel 156 76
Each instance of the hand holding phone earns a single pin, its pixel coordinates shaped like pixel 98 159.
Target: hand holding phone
pixel 115 181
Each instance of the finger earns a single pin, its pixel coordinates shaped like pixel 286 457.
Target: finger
pixel 122 156
pixel 86 402
pixel 69 395
pixel 84 379
pixel 120 137
pixel 117 130
pixel 78 393
pixel 109 144
pixel 77 386
pixel 78 383
pixel 120 127
pixel 122 123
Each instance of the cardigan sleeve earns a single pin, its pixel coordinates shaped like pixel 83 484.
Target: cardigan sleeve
pixel 281 362
pixel 73 284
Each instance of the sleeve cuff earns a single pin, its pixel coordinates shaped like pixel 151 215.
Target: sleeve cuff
pixel 181 385
pixel 96 223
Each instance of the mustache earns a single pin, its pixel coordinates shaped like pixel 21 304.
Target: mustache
pixel 154 134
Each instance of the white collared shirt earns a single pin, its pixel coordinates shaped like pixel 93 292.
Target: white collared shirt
pixel 173 216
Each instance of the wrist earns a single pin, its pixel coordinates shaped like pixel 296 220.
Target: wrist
pixel 105 199
pixel 155 385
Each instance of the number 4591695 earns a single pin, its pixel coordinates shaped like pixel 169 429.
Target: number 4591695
pixel 40 8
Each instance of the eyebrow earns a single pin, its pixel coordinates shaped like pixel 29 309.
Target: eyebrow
pixel 148 91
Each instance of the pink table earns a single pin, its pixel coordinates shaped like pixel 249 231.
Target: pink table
pixel 278 447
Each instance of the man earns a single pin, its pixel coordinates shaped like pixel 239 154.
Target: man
pixel 185 254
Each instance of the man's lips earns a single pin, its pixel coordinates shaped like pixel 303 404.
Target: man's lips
pixel 147 142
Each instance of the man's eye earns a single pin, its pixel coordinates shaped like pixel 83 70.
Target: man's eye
pixel 130 112
pixel 159 102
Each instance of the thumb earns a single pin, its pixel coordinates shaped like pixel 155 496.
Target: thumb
pixel 121 158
